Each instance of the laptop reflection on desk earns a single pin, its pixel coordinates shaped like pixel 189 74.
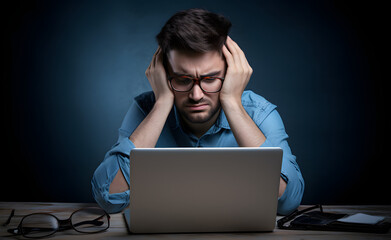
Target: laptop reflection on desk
pixel 189 190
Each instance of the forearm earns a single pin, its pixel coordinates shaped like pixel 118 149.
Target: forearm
pixel 145 135
pixel 103 176
pixel 246 132
pixel 149 130
pixel 119 183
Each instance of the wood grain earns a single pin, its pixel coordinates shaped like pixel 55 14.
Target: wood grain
pixel 118 229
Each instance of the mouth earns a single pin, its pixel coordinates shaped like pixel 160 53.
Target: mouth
pixel 197 107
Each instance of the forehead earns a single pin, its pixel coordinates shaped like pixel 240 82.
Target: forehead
pixel 190 63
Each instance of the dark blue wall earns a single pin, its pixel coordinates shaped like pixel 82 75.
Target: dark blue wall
pixel 72 68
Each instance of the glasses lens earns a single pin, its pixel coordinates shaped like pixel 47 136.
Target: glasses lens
pixel 90 220
pixel 39 225
pixel 211 84
pixel 182 83
pixel 208 84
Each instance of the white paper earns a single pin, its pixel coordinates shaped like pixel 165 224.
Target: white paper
pixel 361 218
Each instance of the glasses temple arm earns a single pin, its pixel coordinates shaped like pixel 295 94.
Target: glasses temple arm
pixel 27 230
pixel 282 221
pixel 9 218
pixel 95 222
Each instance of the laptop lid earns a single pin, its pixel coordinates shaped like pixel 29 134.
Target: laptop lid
pixel 203 189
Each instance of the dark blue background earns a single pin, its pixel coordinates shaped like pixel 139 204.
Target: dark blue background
pixel 72 68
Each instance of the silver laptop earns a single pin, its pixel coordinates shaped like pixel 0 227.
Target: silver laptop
pixel 178 190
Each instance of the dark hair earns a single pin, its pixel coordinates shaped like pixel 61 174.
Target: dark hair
pixel 195 30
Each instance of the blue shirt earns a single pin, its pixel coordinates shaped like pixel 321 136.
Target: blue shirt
pixel 263 113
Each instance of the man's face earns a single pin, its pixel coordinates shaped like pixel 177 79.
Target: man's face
pixel 197 106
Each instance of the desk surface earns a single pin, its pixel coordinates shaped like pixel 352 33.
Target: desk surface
pixel 118 229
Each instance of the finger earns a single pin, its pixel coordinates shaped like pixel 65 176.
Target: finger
pixel 232 48
pixel 157 56
pixel 157 50
pixel 153 61
pixel 235 51
pixel 228 56
pixel 160 60
pixel 243 60
pixel 246 65
pixel 238 51
pixel 148 70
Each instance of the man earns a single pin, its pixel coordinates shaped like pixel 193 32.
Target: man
pixel 198 76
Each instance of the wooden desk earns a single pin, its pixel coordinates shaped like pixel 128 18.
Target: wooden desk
pixel 118 229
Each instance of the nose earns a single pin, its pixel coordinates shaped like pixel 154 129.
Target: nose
pixel 196 93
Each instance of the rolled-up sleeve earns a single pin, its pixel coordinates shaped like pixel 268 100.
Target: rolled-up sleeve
pixel 274 131
pixel 117 158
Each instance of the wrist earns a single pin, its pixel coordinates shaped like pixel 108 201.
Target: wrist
pixel 164 102
pixel 164 96
pixel 230 103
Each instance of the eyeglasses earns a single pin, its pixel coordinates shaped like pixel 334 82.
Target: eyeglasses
pixel 185 83
pixel 281 223
pixel 85 220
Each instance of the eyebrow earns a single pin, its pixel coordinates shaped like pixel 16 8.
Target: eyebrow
pixel 204 75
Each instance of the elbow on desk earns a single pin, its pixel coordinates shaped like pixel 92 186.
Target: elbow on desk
pixel 292 196
pixel 100 183
pixel 111 203
pixel 116 202
pixel 286 209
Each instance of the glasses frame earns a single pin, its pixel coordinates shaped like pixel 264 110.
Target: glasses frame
pixel 281 222
pixel 196 81
pixel 63 224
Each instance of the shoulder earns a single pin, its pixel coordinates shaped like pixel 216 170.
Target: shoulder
pixel 256 106
pixel 145 101
pixel 253 100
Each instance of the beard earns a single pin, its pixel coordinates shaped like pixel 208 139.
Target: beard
pixel 198 117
